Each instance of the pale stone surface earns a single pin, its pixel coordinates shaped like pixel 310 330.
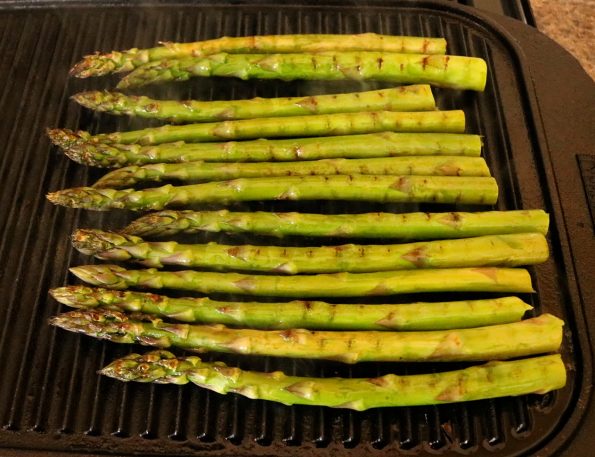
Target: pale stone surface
pixel 572 24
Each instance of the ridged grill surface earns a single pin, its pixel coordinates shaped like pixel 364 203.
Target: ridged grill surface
pixel 51 397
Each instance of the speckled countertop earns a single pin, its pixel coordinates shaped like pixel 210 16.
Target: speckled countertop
pixel 572 24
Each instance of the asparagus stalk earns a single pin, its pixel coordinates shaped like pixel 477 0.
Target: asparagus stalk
pixel 118 61
pixel 299 313
pixel 492 250
pixel 494 379
pixel 485 279
pixel 315 125
pixel 219 171
pixel 436 189
pixel 455 72
pixel 385 144
pixel 404 98
pixel 503 341
pixel 369 225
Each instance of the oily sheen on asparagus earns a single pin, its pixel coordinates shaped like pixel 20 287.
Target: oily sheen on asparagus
pixel 221 171
pixel 454 72
pixel 532 336
pixel 300 313
pixel 118 61
pixel 480 279
pixel 494 379
pixel 375 188
pixel 404 98
pixel 269 127
pixel 366 225
pixel 492 250
pixel 364 146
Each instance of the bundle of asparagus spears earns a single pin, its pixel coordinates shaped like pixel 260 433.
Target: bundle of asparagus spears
pixel 382 146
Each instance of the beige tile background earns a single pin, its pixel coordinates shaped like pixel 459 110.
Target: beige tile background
pixel 572 24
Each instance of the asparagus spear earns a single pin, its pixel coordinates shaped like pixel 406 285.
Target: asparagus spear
pixel 503 341
pixel 299 313
pixel 485 279
pixel 219 171
pixel 493 379
pixel 385 144
pixel 115 61
pixel 370 225
pixel 404 98
pixel 438 189
pixel 318 124
pixel 492 250
pixel 455 72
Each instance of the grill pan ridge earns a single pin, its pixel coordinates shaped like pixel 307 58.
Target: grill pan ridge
pixel 51 397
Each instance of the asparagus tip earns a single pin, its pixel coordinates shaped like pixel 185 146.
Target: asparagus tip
pixel 100 275
pixel 124 83
pixel 66 138
pixel 90 154
pixel 148 223
pixel 87 98
pixel 83 321
pixel 96 64
pixel 77 153
pixel 91 242
pixel 65 197
pixel 56 198
pixel 153 366
pixel 61 294
pixel 122 177
pixel 103 324
pixel 84 197
pixel 74 296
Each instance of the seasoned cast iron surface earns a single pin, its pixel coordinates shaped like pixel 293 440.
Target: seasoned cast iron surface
pixel 51 397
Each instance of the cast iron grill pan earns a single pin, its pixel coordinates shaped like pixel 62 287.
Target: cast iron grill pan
pixel 51 398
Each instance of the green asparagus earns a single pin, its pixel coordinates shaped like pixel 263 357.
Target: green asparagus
pixel 385 189
pixel 537 375
pixel 503 341
pixel 219 171
pixel 405 98
pixel 115 61
pixel 492 250
pixel 385 144
pixel 455 72
pixel 369 225
pixel 484 279
pixel 315 125
pixel 299 313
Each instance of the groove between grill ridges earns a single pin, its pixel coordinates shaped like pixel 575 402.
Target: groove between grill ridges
pixel 30 279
